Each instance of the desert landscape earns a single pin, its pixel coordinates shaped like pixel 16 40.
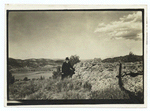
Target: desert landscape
pixel 66 55
pixel 40 79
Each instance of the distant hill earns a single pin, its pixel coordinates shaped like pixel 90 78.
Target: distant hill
pixel 35 63
pixel 126 58
pixel 14 62
pixel 49 64
pixel 32 64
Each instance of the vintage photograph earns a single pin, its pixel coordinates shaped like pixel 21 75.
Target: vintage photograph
pixel 75 56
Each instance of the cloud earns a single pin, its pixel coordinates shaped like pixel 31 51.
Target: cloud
pixel 128 27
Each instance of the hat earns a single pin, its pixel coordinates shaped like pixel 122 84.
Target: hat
pixel 67 58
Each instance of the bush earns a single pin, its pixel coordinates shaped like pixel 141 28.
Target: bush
pixel 111 93
pixel 20 89
pixel 87 86
pixel 57 73
pixel 58 68
pixel 25 79
pixel 74 59
pixel 97 60
pixel 11 79
pixel 33 79
pixel 42 78
pixel 74 95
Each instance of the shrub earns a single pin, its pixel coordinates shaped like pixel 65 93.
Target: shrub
pixel 131 53
pixel 58 68
pixel 74 95
pixel 25 79
pixel 97 60
pixel 34 96
pixel 33 79
pixel 42 78
pixel 21 89
pixel 110 69
pixel 112 93
pixel 74 59
pixel 50 77
pixel 57 73
pixel 87 86
pixel 11 79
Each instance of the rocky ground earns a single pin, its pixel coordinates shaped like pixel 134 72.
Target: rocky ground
pixel 102 76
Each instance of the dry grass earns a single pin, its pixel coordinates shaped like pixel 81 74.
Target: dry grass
pixel 112 92
pixel 49 89
pixel 91 81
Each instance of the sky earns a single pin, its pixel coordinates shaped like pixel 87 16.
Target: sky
pixel 60 34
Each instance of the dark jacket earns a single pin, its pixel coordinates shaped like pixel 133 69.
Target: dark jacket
pixel 66 68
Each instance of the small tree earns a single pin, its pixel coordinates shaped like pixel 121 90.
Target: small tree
pixel 131 53
pixel 131 57
pixel 74 59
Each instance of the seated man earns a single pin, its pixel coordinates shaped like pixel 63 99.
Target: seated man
pixel 67 69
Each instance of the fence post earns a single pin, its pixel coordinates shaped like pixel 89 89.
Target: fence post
pixel 120 71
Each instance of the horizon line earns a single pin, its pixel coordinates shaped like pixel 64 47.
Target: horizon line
pixel 80 59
